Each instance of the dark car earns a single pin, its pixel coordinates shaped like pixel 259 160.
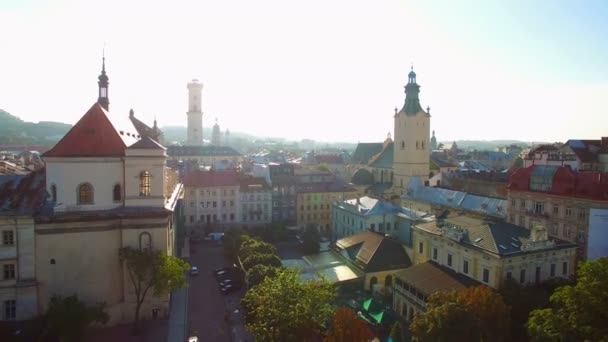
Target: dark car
pixel 230 288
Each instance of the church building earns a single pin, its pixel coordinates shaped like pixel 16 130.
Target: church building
pixel 393 162
pixel 108 188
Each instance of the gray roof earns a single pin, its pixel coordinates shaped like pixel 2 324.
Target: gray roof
pixel 497 237
pixel 362 177
pixel 491 206
pixel 368 206
pixel 385 159
pixel 365 151
pixel 202 151
pixel 147 143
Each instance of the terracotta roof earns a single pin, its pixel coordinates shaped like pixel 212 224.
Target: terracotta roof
pixel 560 181
pixel 23 194
pixel 147 143
pixel 96 134
pixel 430 277
pixel 374 251
pixel 200 178
pixel 365 151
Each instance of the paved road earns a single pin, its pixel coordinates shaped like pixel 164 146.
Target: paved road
pixel 206 306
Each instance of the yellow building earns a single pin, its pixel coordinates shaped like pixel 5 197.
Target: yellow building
pixel 314 202
pixel 489 252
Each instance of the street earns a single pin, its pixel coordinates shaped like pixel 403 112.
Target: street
pixel 207 307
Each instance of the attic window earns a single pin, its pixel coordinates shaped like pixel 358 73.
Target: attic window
pixel 502 247
pixel 478 240
pixel 484 205
pixel 499 208
pixel 514 245
pixel 128 134
pixel 122 132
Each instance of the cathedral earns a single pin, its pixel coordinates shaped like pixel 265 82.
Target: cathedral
pixel 387 167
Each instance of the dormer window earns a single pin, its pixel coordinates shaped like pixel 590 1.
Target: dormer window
pixel 144 183
pixel 85 193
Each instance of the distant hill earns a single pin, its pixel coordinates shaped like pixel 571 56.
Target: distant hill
pixel 14 131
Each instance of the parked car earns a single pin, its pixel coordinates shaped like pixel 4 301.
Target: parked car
pixel 229 281
pixel 192 339
pixel 230 288
pixel 194 270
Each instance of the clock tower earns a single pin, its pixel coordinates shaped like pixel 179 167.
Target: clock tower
pixel 195 114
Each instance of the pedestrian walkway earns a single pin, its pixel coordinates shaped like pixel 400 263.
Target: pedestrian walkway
pixel 178 316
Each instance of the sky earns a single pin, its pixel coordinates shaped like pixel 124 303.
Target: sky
pixel 325 70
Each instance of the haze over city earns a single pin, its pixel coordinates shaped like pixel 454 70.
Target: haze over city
pixel 330 71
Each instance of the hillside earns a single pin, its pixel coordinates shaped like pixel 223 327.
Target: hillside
pixel 14 131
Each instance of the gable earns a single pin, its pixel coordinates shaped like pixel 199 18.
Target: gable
pixel 95 135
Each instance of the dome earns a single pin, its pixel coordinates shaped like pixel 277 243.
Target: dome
pixel 362 177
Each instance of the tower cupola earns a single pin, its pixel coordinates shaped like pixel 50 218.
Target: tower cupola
pixel 412 89
pixel 103 98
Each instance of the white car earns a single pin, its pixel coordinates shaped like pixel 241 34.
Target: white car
pixel 192 339
pixel 194 270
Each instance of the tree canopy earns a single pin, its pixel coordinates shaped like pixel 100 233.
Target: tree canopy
pixel 578 312
pixel 152 270
pixel 284 308
pixel 348 327
pixel 257 273
pixel 261 259
pixel 255 246
pixel 68 317
pixel 470 314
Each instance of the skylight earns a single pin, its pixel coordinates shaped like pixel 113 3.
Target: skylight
pixel 514 245
pixel 478 240
pixel 502 247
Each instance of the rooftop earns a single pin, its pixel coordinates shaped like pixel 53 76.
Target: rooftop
pixel 374 251
pixel 365 151
pixel 202 151
pixel 200 178
pixel 430 277
pixel 22 194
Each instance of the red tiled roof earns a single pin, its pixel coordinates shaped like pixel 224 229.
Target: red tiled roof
pixel 96 134
pixel 201 178
pixel 565 182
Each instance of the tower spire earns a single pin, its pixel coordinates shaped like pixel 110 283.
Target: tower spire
pixel 412 89
pixel 102 82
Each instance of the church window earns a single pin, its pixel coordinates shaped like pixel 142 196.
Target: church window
pixel 85 193
pixel 417 144
pixel 422 144
pixel 145 241
pixel 402 144
pixel 144 183
pixel 116 193
pixel 54 192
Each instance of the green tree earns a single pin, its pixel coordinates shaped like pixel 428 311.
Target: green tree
pixel 233 239
pixel 261 259
pixel 255 246
pixel 257 273
pixel 470 314
pixel 323 167
pixel 396 332
pixel 285 308
pixel 68 317
pixel 152 270
pixel 311 240
pixel 578 312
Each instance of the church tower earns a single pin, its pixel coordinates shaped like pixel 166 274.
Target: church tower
pixel 195 114
pixel 411 142
pixel 103 98
pixel 216 135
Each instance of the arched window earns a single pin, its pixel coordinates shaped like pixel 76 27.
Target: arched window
pixel 388 281
pixel 85 193
pixel 417 144
pixel 402 144
pixel 145 241
pixel 54 193
pixel 373 281
pixel 144 183
pixel 116 193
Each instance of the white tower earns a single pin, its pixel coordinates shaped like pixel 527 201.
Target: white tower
pixel 412 130
pixel 195 114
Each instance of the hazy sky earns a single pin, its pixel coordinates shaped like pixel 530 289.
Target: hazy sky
pixel 330 70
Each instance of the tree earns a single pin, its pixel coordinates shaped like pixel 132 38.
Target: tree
pixel 285 308
pixel 258 273
pixel 518 162
pixel 578 312
pixel 261 259
pixel 348 327
pixel 311 240
pixel 68 317
pixel 473 314
pixel 396 332
pixel 233 239
pixel 255 246
pixel 323 167
pixel 154 270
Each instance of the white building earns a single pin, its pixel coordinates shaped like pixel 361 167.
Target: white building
pixel 255 197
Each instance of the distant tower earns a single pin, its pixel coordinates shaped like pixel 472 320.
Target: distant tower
pixel 227 137
pixel 103 99
pixel 216 135
pixel 195 114
pixel 433 140
pixel 412 130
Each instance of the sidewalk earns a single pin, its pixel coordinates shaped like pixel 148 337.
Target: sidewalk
pixel 236 323
pixel 178 316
